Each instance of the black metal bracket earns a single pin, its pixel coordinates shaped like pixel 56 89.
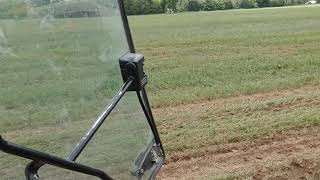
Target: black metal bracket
pixel 149 157
pixel 131 66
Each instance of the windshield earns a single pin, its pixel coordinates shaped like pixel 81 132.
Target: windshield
pixel 59 68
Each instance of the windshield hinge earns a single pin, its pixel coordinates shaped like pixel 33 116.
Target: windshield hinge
pixel 147 159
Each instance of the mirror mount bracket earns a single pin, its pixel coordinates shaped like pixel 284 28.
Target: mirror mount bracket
pixel 131 65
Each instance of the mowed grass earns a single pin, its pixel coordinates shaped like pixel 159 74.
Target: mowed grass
pixel 196 58
pixel 190 58
pixel 205 55
pixel 193 130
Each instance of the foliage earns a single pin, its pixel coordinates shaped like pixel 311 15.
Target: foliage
pixel 210 5
pixel 236 4
pixel 247 4
pixel 73 9
pixel 38 3
pixel 229 4
pixel 155 7
pixel 194 5
pixel 219 4
pixel 297 2
pixel 62 8
pixel 76 9
pixel 172 4
pixel 163 5
pixel 135 7
pixel 263 3
pixel 13 9
pixel 58 8
pixel 276 3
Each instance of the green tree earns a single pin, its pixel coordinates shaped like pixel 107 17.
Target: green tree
pixel 136 7
pixel 208 5
pixel 163 5
pixel 229 4
pixel 194 5
pixel 236 4
pixel 297 2
pixel 172 4
pixel 38 3
pixel 13 9
pixel 219 4
pixel 276 3
pixel 155 7
pixel 211 5
pixel 263 3
pixel 247 4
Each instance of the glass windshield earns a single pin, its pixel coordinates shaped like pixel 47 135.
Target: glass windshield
pixel 58 70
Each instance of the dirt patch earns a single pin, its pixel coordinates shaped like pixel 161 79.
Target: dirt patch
pixel 290 155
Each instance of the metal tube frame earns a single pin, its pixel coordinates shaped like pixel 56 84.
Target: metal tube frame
pixel 33 167
pixel 144 102
pixel 32 154
pixel 144 99
pixel 39 158
pixel 87 137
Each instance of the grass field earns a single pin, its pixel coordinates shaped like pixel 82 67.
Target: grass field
pixel 196 57
pixel 216 54
pixel 228 77
pixel 215 78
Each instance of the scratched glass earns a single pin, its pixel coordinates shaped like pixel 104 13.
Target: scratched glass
pixel 58 71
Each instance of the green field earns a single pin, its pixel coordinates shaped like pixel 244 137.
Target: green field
pixel 208 59
pixel 191 59
pixel 198 57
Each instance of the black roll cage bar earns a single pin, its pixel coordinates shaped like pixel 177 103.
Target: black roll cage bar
pixel 40 158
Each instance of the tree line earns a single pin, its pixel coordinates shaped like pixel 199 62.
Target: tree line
pixel 91 8
pixel 137 7
pixel 16 9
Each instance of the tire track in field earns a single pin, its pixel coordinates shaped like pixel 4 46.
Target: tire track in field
pixel 292 155
pixel 240 106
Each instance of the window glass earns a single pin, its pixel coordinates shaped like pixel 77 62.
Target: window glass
pixel 58 70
